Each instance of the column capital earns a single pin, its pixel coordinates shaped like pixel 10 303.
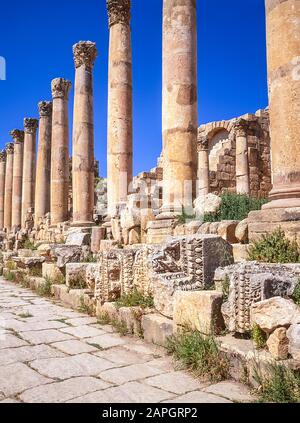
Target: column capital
pixel 85 53
pixel 45 108
pixel 10 148
pixel 241 127
pixel 30 125
pixel 118 11
pixel 202 142
pixel 17 135
pixel 2 156
pixel 60 88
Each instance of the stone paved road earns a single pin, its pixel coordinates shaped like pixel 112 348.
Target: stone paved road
pixel 52 354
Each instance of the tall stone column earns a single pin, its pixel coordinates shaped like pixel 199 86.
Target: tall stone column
pixel 8 186
pixel 203 166
pixel 60 151
pixel 85 54
pixel 2 186
pixel 43 168
pixel 180 120
pixel 283 46
pixel 242 159
pixel 18 137
pixel 29 166
pixel 119 142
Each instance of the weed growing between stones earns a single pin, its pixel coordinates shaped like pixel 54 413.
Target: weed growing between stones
pixel 84 308
pixel 29 245
pixel 259 337
pixel 90 258
pixel 77 282
pixel 11 265
pixel 10 276
pixel 35 272
pixel 25 315
pixel 275 248
pixel 135 299
pixel 199 354
pixel 278 385
pixel 235 207
pixel 104 319
pixel 44 290
pixel 296 294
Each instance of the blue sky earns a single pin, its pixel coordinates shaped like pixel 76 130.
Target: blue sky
pixel 36 41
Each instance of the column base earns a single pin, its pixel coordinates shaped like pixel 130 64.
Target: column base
pixel 269 219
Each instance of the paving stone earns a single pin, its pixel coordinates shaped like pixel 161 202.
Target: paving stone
pixel 45 336
pixel 129 373
pixel 106 341
pixel 79 321
pixel 123 357
pixel 74 347
pixel 176 382
pixel 72 366
pixel 106 328
pixel 11 341
pixel 133 392
pixel 231 390
pixel 83 331
pixel 198 397
pixel 63 391
pixel 17 377
pixel 144 348
pixel 9 401
pixel 27 354
pixel 164 363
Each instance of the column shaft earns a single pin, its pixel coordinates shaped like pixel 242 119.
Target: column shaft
pixel 60 152
pixel 203 167
pixel 83 134
pixel 242 159
pixel 43 168
pixel 8 186
pixel 283 46
pixel 29 167
pixel 180 119
pixel 2 186
pixel 18 137
pixel 119 142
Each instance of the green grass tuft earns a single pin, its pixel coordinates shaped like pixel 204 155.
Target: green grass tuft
pixel 259 337
pixel 135 299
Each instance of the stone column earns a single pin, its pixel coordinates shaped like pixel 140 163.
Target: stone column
pixel 203 166
pixel 119 142
pixel 2 186
pixel 180 121
pixel 29 167
pixel 60 151
pixel 43 168
pixel 85 54
pixel 283 46
pixel 18 137
pixel 8 186
pixel 242 160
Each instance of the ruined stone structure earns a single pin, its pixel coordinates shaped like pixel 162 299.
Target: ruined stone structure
pixel 119 133
pixel 29 167
pixel 85 54
pixel 43 167
pixel 238 156
pixel 16 219
pixel 60 151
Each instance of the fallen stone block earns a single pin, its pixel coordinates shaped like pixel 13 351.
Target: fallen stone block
pixel 240 252
pixel 107 310
pixel 157 328
pixel 241 232
pixel 293 335
pixel 131 317
pixel 274 313
pixel 226 230
pixel 199 310
pixel 53 272
pixel 79 238
pixel 76 275
pixel 278 344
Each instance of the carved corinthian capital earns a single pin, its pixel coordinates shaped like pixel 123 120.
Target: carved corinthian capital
pixel 241 127
pixel 17 135
pixel 85 53
pixel 118 11
pixel 61 88
pixel 10 148
pixel 202 142
pixel 2 156
pixel 30 125
pixel 45 108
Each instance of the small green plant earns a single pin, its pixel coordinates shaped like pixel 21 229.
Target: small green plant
pixel 24 281
pixel 235 207
pixel 259 337
pixel 90 258
pixel 278 384
pixel 35 272
pixel 85 308
pixel 25 315
pixel 77 282
pixel 29 245
pixel 275 248
pixel 296 294
pixel 10 276
pixel 95 346
pixel 135 299
pixel 119 326
pixel 184 217
pixel 44 289
pixel 225 288
pixel 200 354
pixel 11 265
pixel 103 319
